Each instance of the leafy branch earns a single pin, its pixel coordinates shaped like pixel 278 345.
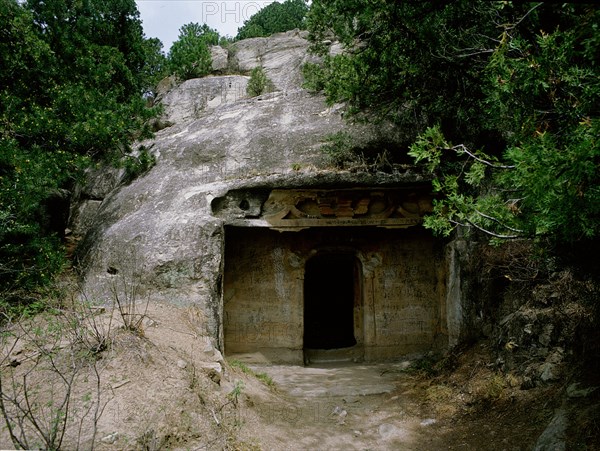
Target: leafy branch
pixel 456 209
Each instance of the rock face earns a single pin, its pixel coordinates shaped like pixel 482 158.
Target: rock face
pixel 164 234
pixel 281 55
pixel 219 57
pixel 198 97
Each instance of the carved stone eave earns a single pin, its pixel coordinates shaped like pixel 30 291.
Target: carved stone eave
pixel 299 209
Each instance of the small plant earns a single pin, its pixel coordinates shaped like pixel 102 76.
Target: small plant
pixel 150 441
pixel 432 365
pixel 87 328
pixel 137 165
pixel 241 366
pixel 439 393
pixel 314 77
pixel 259 83
pixel 340 151
pixel 126 293
pixel 38 388
pixel 489 387
pixel 234 394
pixel 263 377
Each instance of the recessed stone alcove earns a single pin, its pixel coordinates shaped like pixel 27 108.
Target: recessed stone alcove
pixel 343 280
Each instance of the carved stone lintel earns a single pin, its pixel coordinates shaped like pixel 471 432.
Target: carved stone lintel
pixel 389 208
pixel 298 209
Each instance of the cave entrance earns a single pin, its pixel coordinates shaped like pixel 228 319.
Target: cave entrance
pixel 331 301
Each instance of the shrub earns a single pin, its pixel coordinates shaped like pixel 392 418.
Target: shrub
pixel 259 83
pixel 190 54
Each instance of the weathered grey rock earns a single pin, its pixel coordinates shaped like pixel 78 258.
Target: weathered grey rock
pixel 213 370
pixel 200 96
pixel 99 182
pixel 164 86
pixel 575 390
pixel 281 55
pixel 554 436
pixel 210 352
pixel 110 439
pixel 428 422
pixel 548 372
pixel 83 215
pixel 159 231
pixel 218 357
pixel 388 431
pixel 88 197
pixel 219 56
pixel 551 369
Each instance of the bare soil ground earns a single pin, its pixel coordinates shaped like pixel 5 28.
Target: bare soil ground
pixel 368 407
pixel 167 388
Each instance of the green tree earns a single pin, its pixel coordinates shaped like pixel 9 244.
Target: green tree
pixel 275 18
pixel 190 54
pixel 407 61
pixel 500 100
pixel 71 79
pixel 259 83
pixel 156 65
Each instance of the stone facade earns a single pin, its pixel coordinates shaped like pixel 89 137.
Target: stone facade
pixel 396 301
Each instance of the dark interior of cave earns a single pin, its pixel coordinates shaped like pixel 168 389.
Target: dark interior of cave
pixel 329 289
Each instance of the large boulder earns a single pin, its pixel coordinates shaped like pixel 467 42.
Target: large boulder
pixel 281 55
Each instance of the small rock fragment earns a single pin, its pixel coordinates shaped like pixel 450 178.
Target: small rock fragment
pixel 576 391
pixel 213 370
pixel 387 430
pixel 336 410
pixel 217 356
pixel 110 439
pixel 428 422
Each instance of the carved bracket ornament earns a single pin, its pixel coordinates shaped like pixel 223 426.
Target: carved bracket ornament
pixel 293 210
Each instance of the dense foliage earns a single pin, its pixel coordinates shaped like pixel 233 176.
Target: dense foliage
pixel 72 76
pixel 499 100
pixel 190 54
pixel 156 65
pixel 274 18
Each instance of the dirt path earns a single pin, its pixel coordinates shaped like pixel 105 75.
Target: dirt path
pixel 344 406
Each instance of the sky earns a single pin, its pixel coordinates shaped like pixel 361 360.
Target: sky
pixel 162 19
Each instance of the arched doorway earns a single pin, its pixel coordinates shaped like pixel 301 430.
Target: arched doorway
pixel 331 301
